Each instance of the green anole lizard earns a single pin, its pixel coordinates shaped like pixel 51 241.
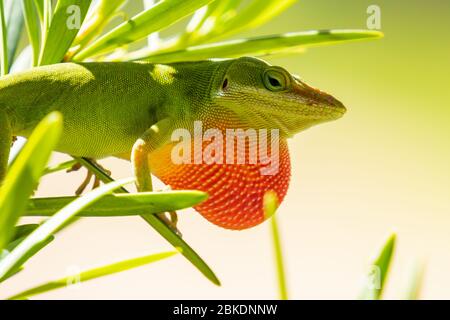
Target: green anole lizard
pixel 130 110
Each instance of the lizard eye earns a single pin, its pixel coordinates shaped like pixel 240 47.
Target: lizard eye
pixel 275 80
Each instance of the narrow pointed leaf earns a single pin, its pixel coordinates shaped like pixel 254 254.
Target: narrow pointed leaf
pixel 25 172
pixel 415 284
pixel 96 21
pixel 32 24
pixel 47 17
pixel 160 16
pixel 3 41
pixel 157 224
pixel 45 231
pixel 24 230
pixel 258 46
pixel 60 166
pixel 256 13
pixel 40 8
pixel 65 24
pixel 18 265
pixel 15 27
pixel 119 205
pixel 93 274
pixel 378 271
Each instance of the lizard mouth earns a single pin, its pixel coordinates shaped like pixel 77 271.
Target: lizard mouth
pixel 298 108
pixel 320 103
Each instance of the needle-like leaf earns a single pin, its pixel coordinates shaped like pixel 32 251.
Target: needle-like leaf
pixel 47 17
pixel 65 24
pixel 18 266
pixel 24 230
pixel 40 9
pixel 32 24
pixel 166 232
pixel 3 41
pixel 15 28
pixel 60 166
pixel 119 205
pixel 18 256
pixel 378 271
pixel 414 286
pixel 25 172
pixel 160 16
pixel 103 12
pixel 258 46
pixel 93 274
pixel 256 13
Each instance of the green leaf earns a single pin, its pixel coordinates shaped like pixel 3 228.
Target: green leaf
pixel 18 265
pixel 270 207
pixel 15 28
pixel 119 205
pixel 205 20
pixel 257 13
pixel 415 284
pixel 252 16
pixel 166 232
pixel 95 23
pixel 257 46
pixel 378 271
pixel 25 172
pixel 47 17
pixel 93 274
pixel 4 66
pixel 160 16
pixel 60 166
pixel 65 24
pixel 33 27
pixel 44 232
pixel 40 8
pixel 24 230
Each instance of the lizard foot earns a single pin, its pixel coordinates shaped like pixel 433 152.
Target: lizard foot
pixel 171 221
pixel 88 178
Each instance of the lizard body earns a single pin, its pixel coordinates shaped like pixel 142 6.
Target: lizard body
pixel 130 110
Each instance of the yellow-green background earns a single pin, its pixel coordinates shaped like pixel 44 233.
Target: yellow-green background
pixel 383 167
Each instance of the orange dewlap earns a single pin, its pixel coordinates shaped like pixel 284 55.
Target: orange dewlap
pixel 235 191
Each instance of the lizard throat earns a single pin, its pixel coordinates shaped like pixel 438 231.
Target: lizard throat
pixel 236 191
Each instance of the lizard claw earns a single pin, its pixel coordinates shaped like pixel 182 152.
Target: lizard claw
pixel 88 178
pixel 171 222
pixel 84 184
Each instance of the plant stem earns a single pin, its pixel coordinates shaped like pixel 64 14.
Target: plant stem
pixel 279 259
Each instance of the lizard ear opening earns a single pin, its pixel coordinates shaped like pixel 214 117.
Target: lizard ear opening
pixel 225 84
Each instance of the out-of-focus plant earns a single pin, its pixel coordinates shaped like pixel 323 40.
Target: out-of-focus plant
pixel 376 279
pixel 80 30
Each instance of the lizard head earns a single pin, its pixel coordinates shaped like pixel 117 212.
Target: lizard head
pixel 270 97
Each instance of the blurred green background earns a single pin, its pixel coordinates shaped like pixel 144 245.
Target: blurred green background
pixel 384 167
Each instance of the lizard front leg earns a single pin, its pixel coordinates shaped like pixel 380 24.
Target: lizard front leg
pixel 6 138
pixel 155 137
